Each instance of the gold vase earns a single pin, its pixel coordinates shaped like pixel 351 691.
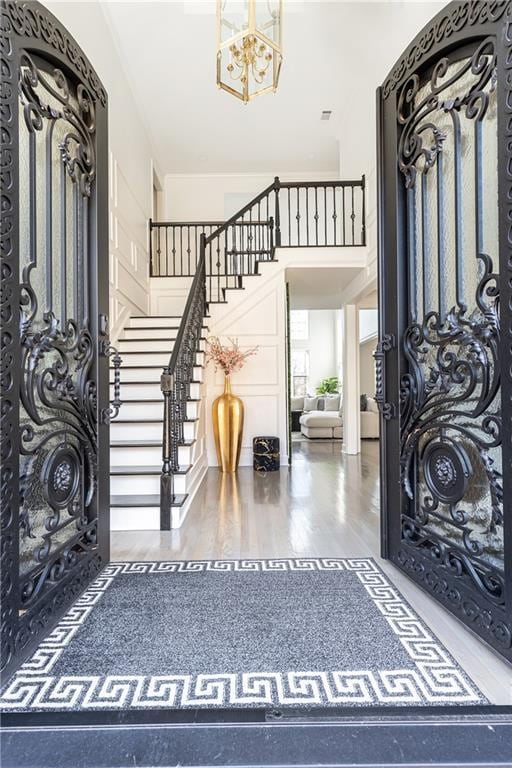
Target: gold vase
pixel 228 423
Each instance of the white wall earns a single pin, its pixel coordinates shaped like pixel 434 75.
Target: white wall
pixel 367 367
pixel 375 57
pixel 321 346
pixel 210 197
pixel 130 171
pixel 255 317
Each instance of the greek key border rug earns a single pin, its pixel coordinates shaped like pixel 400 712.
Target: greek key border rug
pixel 236 633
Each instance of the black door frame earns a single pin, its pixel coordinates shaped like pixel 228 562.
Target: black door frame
pixel 343 737
pixel 28 28
pixel 459 25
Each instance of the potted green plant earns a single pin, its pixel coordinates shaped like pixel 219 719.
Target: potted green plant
pixel 328 386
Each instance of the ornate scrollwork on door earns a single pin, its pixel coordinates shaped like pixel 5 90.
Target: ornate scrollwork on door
pixel 450 398
pixel 58 407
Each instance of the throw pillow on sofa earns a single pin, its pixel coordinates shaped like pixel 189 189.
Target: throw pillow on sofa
pixel 332 403
pixel 311 403
pixel 364 403
pixel 297 404
pixel 372 405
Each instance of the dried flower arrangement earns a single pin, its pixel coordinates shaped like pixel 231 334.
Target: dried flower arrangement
pixel 228 357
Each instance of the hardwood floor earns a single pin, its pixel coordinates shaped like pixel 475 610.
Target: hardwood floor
pixel 326 504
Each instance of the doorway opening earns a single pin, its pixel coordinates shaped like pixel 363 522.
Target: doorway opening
pixel 274 595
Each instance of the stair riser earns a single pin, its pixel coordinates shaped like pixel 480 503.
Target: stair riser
pixel 135 518
pixel 141 431
pixel 165 346
pixel 128 485
pixel 150 391
pixel 153 359
pixel 149 456
pixel 143 411
pixel 150 322
pixel 152 333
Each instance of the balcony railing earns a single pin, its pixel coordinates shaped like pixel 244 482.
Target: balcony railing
pixel 286 215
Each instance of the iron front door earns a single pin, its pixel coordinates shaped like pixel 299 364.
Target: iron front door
pixel 445 350
pixel 54 383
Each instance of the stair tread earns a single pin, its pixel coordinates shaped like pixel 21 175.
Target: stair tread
pixel 156 399
pixel 145 500
pixel 145 443
pixel 146 421
pixel 155 338
pixel 148 381
pixel 153 327
pixel 134 469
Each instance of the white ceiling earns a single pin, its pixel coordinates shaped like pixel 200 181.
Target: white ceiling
pixel 318 288
pixel 330 50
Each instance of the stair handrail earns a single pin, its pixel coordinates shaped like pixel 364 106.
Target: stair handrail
pixel 175 384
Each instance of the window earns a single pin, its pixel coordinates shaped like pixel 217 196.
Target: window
pixel 300 372
pixel 299 324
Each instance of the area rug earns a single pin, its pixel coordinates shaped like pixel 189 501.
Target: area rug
pixel 244 633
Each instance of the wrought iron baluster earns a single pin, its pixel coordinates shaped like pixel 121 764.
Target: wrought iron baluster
pixel 307 215
pixel 334 214
pixel 181 251
pixel 174 251
pixel 343 209
pixel 289 219
pixel 158 252
pixel 298 216
pixel 167 251
pixel 251 256
pixel 188 251
pixel 277 188
pixel 353 217
pixel 326 242
pixel 363 210
pixel 151 255
pixel 259 230
pixel 316 216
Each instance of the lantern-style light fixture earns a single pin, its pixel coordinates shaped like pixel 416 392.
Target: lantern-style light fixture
pixel 249 52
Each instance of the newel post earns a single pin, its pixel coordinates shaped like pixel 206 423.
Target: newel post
pixel 166 478
pixel 277 187
pixel 363 213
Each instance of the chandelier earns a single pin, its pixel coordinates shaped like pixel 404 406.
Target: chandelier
pixel 249 52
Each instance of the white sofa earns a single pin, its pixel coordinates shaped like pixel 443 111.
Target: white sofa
pixel 329 424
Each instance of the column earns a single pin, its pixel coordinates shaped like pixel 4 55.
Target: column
pixel 351 393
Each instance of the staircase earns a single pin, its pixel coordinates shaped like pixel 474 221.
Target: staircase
pixel 136 435
pixel 158 456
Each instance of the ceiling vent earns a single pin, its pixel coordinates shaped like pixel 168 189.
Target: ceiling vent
pixel 326 114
